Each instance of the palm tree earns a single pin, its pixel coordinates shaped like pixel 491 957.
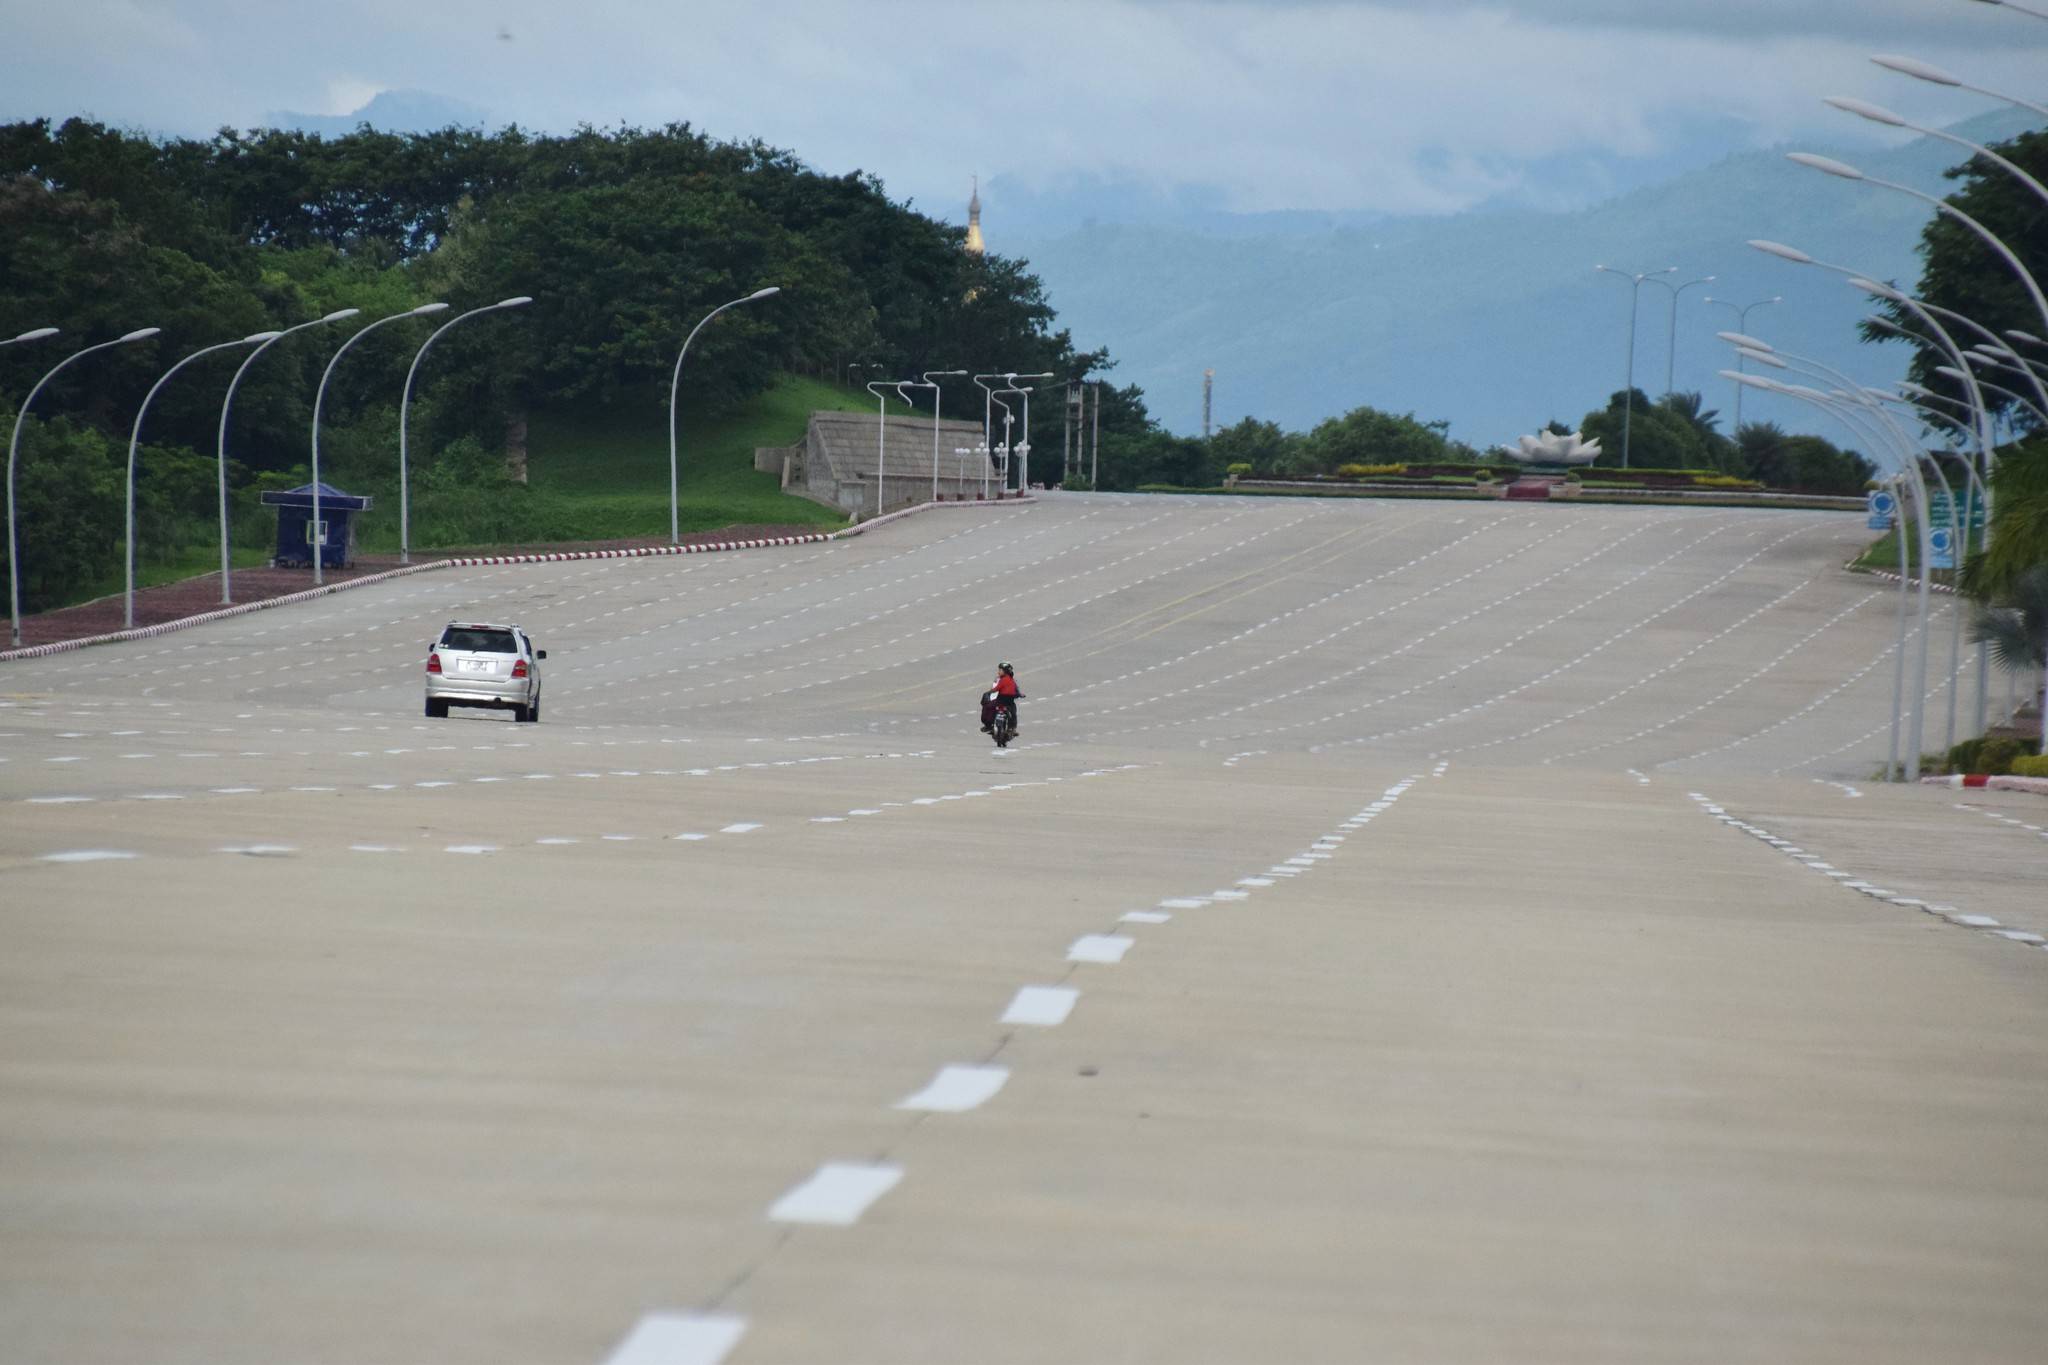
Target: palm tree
pixel 1693 410
pixel 2018 634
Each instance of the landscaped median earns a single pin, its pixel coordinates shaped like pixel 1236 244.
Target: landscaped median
pixel 1674 487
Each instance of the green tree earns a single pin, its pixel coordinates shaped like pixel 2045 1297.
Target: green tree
pixel 1658 437
pixel 1262 445
pixel 1961 273
pixel 1366 435
pixel 2017 630
pixel 2019 522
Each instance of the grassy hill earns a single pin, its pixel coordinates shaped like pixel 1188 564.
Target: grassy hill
pixel 601 473
pixel 594 473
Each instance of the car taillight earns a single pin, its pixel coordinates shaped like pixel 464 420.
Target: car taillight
pixel 433 663
pixel 519 668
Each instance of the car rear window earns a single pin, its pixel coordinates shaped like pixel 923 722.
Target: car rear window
pixel 477 641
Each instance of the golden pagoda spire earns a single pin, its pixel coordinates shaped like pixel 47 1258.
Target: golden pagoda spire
pixel 974 242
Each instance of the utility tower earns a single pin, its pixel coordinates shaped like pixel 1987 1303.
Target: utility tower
pixel 1208 390
pixel 1073 429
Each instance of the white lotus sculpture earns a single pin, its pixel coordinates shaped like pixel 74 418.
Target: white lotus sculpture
pixel 1550 448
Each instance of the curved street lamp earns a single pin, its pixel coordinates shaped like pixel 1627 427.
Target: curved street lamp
pixel 36 334
pixel 988 433
pixel 1741 325
pixel 1024 470
pixel 1959 529
pixel 316 529
pixel 1844 171
pixel 675 534
pixel 1840 413
pixel 1629 382
pixel 1671 342
pixel 14 444
pixel 135 438
pixel 932 378
pixel 1877 114
pixel 875 387
pixel 221 446
pixel 405 402
pixel 1889 432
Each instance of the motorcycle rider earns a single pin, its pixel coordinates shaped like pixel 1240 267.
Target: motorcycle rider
pixel 1004 693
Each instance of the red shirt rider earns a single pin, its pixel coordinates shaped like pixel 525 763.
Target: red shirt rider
pixel 1004 694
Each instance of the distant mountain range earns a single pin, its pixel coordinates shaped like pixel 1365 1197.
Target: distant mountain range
pixel 1495 321
pixel 391 111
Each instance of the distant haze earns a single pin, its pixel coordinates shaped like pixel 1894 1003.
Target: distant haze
pixel 1315 133
pixel 1495 321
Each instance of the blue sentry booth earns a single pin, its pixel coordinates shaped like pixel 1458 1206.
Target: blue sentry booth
pixel 338 510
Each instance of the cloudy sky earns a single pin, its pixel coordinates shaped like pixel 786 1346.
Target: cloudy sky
pixel 1356 105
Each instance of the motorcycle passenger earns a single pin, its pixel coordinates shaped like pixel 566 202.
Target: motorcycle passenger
pixel 1004 693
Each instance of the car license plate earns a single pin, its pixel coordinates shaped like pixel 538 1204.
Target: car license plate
pixel 477 666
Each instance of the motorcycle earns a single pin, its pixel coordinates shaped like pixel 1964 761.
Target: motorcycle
pixel 999 725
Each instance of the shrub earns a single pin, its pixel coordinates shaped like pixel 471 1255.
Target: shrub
pixel 1369 471
pixel 1997 756
pixel 1963 757
pixel 1240 470
pixel 2030 765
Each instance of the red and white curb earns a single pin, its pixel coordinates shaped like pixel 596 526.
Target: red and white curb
pixel 471 562
pixel 1888 576
pixel 1953 914
pixel 2037 785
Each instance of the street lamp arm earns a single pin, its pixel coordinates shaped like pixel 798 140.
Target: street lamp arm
pixel 1866 110
pixel 405 403
pixel 675 534
pixel 14 446
pixel 135 441
pixel 221 441
pixel 1942 206
pixel 1919 70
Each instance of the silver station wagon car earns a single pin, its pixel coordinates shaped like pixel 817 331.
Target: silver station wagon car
pixel 484 665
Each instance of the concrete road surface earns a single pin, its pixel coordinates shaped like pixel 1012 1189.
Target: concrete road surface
pixel 1402 932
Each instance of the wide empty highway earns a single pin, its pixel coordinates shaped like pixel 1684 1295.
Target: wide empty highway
pixel 1402 931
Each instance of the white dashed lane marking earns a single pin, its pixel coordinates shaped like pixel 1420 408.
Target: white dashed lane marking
pixel 1041 1006
pixel 679 1339
pixel 957 1089
pixel 837 1195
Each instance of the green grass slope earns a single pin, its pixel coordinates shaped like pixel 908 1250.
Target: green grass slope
pixel 601 473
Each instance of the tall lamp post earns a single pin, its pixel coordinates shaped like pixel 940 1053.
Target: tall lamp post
pixel 1888 432
pixel 675 534
pixel 1024 471
pixel 1629 383
pixel 988 433
pixel 932 378
pixel 1002 452
pixel 1742 325
pixel 14 445
pixel 1671 341
pixel 135 438
pixel 405 402
pixel 316 529
pixel 36 334
pixel 1981 415
pixel 1095 444
pixel 221 446
pixel 876 387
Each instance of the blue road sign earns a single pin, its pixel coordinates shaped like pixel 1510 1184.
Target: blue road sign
pixel 1884 509
pixel 1942 547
